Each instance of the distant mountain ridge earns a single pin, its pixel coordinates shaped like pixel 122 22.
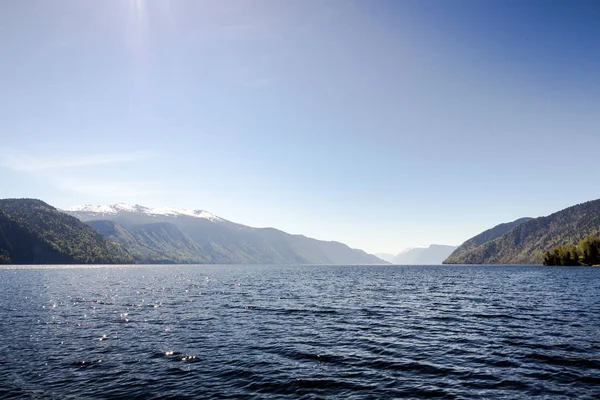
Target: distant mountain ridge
pixel 385 256
pixel 432 255
pixel 210 238
pixel 526 243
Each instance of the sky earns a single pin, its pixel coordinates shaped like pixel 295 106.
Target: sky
pixel 380 124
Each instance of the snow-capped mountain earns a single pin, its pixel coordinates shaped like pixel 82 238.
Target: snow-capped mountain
pixel 128 208
pixel 178 235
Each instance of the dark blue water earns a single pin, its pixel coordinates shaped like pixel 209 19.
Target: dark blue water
pixel 305 332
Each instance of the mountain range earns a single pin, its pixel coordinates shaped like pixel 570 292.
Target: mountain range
pixel 32 231
pixel 525 240
pixel 433 254
pixel 171 235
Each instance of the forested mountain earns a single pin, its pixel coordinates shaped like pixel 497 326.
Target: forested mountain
pixel 432 255
pixel 32 232
pixel 528 242
pixel 18 245
pixel 484 237
pixel 159 242
pixel 214 239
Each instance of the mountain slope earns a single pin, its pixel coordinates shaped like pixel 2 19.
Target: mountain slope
pixel 482 238
pixel 169 241
pixel 19 245
pixel 527 242
pixel 432 255
pixel 159 242
pixel 32 232
pixel 226 242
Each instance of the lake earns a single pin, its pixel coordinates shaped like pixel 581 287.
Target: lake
pixel 452 332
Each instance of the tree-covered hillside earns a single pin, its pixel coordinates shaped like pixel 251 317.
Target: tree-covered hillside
pixel 155 243
pixel 19 245
pixel 528 242
pixel 487 236
pixel 32 232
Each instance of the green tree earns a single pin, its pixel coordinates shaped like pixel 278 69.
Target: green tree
pixel 562 255
pixel 551 258
pixel 590 250
pixel 569 255
pixel 587 252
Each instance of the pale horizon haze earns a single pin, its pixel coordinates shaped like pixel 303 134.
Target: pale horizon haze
pixel 380 124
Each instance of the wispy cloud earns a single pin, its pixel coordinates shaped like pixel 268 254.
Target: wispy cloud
pixel 71 173
pixel 18 161
pixel 108 189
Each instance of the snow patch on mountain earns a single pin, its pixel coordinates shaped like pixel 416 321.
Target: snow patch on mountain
pixel 409 249
pixel 123 207
pixel 181 211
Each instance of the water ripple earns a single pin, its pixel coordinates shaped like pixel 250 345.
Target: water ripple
pixel 303 332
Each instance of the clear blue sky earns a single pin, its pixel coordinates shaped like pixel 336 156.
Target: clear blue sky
pixel 381 124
